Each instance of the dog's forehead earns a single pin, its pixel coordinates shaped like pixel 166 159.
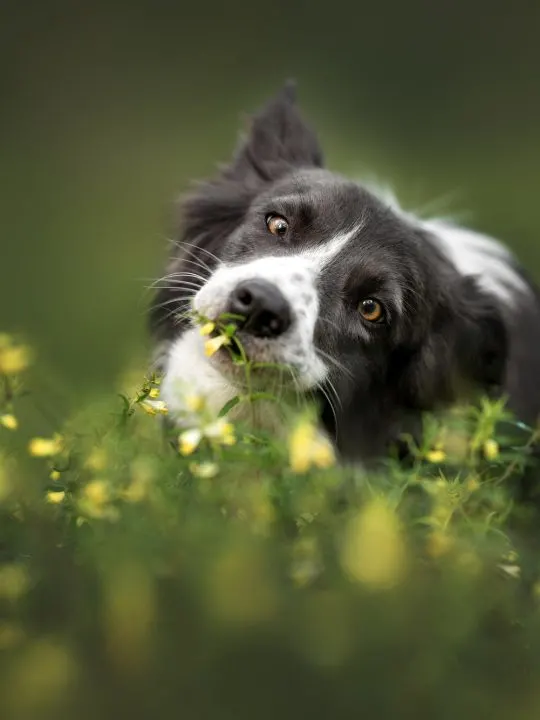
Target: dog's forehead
pixel 322 191
pixel 343 213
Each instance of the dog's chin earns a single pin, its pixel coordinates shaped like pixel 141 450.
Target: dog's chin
pixel 256 361
pixel 279 367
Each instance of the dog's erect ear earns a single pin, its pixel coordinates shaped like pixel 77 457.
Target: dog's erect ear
pixel 278 141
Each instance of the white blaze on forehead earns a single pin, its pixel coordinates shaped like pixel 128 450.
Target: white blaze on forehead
pixel 323 255
pixel 295 275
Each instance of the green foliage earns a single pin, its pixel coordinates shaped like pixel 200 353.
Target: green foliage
pixel 223 572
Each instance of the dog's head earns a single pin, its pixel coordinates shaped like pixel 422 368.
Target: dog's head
pixel 358 300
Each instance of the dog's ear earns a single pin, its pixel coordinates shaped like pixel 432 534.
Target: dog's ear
pixel 482 339
pixel 278 140
pixel 465 352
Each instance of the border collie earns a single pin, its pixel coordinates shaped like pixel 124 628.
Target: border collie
pixel 379 313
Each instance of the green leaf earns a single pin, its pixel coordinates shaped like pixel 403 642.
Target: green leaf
pixel 231 316
pixel 229 406
pixel 268 366
pixel 126 402
pixel 230 329
pixel 263 396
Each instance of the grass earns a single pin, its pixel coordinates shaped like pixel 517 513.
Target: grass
pixel 222 572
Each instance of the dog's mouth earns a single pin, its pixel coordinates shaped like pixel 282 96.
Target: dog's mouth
pixel 243 356
pixel 239 348
pixel 235 350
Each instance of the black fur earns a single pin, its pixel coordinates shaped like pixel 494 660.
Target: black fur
pixel 447 339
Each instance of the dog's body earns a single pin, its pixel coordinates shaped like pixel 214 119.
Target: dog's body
pixel 381 314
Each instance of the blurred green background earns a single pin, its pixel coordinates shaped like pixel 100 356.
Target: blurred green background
pixel 109 109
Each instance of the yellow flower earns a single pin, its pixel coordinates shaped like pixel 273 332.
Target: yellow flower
pixel 228 439
pixel 436 456
pixel 97 492
pixel 97 460
pixel 143 472
pixel 374 550
pixel 491 449
pixel 323 453
pixel 212 346
pixel 9 421
pixel 154 407
pixel 135 491
pixel 161 407
pixel 204 470
pixel 307 447
pixel 13 359
pixel 194 403
pixel 154 393
pixel 208 328
pixel 45 447
pixel 55 497
pixel 300 447
pixel 55 475
pixel 438 543
pixel 221 431
pixel 189 440
pixel 95 501
pixel 472 484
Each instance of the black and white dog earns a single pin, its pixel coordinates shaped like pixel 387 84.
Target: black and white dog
pixel 380 313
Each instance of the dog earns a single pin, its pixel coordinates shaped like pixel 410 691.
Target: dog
pixel 378 314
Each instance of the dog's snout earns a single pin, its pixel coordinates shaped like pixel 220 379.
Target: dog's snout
pixel 265 310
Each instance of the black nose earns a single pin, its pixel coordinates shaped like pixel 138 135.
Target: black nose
pixel 265 311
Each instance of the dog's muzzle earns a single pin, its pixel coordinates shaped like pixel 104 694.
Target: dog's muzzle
pixel 263 309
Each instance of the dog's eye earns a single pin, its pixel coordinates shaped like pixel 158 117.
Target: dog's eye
pixel 371 310
pixel 277 225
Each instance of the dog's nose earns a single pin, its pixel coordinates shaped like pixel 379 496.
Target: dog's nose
pixel 265 311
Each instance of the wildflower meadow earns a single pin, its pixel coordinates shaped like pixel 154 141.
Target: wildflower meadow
pixel 219 571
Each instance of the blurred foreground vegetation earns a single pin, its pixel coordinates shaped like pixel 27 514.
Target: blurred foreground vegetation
pixel 228 574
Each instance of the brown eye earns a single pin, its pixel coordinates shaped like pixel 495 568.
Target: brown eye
pixel 277 225
pixel 371 310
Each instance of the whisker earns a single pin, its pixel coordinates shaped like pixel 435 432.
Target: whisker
pixel 297 388
pixel 179 300
pixel 184 273
pixel 332 387
pixel 179 285
pixel 335 362
pixel 176 278
pixel 331 405
pixel 198 248
pixel 330 322
pixel 198 262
